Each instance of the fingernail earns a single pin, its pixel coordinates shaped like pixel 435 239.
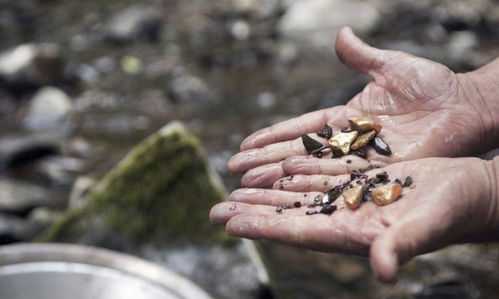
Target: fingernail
pixel 240 227
pixel 240 161
pixel 222 212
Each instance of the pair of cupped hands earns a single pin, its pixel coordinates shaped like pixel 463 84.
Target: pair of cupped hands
pixel 427 112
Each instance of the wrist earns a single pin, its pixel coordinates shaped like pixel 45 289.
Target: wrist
pixel 481 90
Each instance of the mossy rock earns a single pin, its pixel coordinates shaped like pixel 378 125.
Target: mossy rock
pixel 161 192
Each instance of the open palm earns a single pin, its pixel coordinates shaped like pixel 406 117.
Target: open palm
pixel 449 202
pixel 423 107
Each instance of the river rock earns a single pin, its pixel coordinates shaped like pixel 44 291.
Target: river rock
pixel 20 197
pixel 14 228
pixel 160 192
pixel 49 109
pixel 134 23
pixel 31 65
pixel 316 22
pixel 11 228
pixel 15 151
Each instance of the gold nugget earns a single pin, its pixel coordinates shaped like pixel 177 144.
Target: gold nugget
pixel 386 194
pixel 364 124
pixel 363 140
pixel 352 197
pixel 343 141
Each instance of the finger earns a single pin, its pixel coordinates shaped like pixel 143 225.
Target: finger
pixel 337 166
pixel 222 212
pixel 419 232
pixel 263 176
pixel 359 56
pixel 336 116
pixel 305 183
pixel 286 130
pixel 269 154
pixel 272 197
pixel 343 231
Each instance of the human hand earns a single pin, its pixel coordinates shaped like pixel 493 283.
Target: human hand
pixel 425 109
pixel 450 201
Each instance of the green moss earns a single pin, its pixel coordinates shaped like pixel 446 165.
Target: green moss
pixel 160 192
pixel 68 227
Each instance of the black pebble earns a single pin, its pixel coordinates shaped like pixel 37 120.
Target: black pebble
pixel 297 204
pixel 327 132
pixel 407 182
pixel 279 209
pixel 328 209
pixel 346 129
pixel 318 154
pixel 310 144
pixel 381 147
pixel 336 153
pixel 360 153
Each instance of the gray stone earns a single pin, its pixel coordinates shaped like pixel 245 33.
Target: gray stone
pixel 11 228
pixel 316 22
pixel 134 23
pixel 49 109
pixel 20 197
pixel 31 64
pixel 14 228
pixel 20 150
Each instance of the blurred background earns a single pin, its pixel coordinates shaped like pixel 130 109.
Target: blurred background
pixel 84 82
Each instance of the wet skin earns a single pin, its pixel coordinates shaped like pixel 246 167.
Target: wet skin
pixel 426 110
pixel 449 201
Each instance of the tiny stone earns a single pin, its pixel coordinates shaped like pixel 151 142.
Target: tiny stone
pixel 382 175
pixel 327 132
pixel 318 200
pixel 349 161
pixel 398 181
pixel 328 209
pixel 407 182
pixel 233 207
pixel 360 153
pixel 381 147
pixel 346 130
pixel 325 199
pixel 336 153
pixel 311 206
pixel 318 154
pixel 311 145
pixel 312 212
pixel 279 209
pixel 297 204
pixel 325 183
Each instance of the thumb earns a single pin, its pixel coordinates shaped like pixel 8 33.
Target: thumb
pixel 359 56
pixel 403 241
